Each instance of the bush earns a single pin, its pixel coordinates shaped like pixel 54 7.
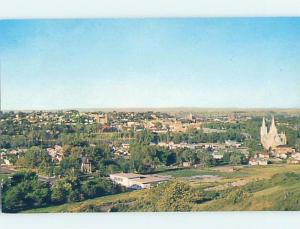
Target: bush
pixel 24 191
pixel 172 196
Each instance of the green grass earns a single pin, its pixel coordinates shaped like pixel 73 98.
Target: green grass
pixel 3 176
pixel 280 192
pixel 201 171
pixel 89 205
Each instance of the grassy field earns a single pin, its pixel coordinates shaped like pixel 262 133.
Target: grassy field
pixel 248 188
pixel 100 204
pixel 271 196
pixel 203 171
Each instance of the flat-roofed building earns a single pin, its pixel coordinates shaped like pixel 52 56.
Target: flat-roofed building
pixel 131 180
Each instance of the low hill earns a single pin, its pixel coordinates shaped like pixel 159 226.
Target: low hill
pixel 257 188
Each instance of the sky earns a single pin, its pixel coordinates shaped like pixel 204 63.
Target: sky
pixel 126 63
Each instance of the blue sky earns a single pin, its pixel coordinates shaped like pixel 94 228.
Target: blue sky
pixel 220 62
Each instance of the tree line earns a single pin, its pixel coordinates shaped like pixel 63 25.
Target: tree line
pixel 24 191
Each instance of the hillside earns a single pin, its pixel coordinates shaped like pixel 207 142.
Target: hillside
pixel 275 187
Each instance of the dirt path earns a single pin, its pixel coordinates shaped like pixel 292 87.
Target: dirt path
pixel 229 185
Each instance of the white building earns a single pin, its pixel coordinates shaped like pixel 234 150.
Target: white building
pixel 271 139
pixel 135 180
pixel 231 143
pixel 258 161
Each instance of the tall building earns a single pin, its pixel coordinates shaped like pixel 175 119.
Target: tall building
pixel 102 119
pixel 271 139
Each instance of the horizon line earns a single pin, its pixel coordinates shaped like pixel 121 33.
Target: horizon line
pixel 149 108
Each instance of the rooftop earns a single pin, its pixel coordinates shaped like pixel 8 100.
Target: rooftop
pixel 129 175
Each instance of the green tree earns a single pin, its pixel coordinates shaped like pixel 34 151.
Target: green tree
pixel 23 191
pixel 174 196
pixel 66 189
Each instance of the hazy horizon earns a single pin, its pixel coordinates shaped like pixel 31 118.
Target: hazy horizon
pixel 164 109
pixel 150 63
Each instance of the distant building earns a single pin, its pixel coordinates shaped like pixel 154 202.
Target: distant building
pixel 262 162
pixel 187 164
pixel 283 151
pixel 296 156
pixel 231 143
pixel 253 161
pixel 86 165
pixel 271 139
pixel 137 181
pixel 258 161
pixel 293 161
pixel 190 117
pixel 102 119
pixel 264 155
pixel 217 156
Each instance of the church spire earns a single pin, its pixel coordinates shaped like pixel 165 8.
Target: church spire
pixel 273 121
pixel 263 122
pixel 273 129
pixel 263 129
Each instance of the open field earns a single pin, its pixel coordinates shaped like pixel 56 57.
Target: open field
pixel 98 204
pixel 247 188
pixel 203 171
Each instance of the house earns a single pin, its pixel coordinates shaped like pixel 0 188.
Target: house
pixel 56 153
pixel 230 143
pixel 262 162
pixel 293 161
pixel 258 161
pixel 137 181
pixel 264 155
pixel 253 161
pixel 296 156
pixel 187 164
pixel 283 150
pixel 217 156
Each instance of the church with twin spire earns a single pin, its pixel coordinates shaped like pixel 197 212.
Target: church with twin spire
pixel 271 139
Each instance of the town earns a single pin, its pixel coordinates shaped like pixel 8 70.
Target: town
pixel 96 153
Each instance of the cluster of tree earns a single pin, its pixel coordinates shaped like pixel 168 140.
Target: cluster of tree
pixel 233 157
pixel 145 158
pixel 24 190
pixel 36 158
pixel 191 136
pixel 171 196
